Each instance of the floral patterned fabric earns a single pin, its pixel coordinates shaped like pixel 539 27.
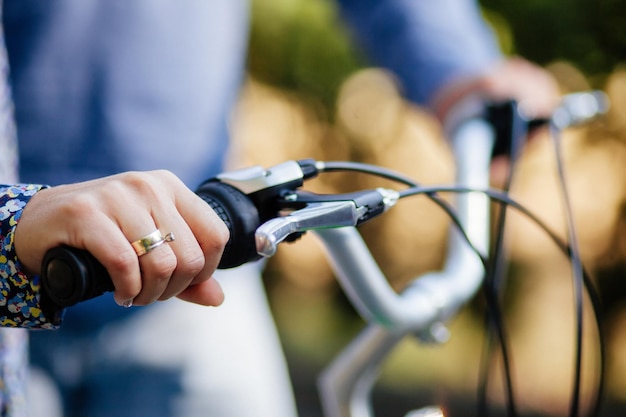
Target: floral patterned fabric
pixel 19 293
pixel 19 304
pixel 13 283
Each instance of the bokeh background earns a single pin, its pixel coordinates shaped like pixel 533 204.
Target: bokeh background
pixel 311 93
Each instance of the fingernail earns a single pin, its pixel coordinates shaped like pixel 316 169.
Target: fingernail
pixel 125 303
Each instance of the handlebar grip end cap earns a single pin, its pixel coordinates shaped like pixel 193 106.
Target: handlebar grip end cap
pixel 66 276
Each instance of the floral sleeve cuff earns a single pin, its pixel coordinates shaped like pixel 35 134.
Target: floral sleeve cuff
pixel 20 298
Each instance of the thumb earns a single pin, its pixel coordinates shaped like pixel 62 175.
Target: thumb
pixel 207 293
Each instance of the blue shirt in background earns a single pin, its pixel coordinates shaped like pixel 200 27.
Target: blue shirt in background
pixel 105 86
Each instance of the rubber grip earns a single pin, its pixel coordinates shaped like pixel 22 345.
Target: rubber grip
pixel 241 217
pixel 70 275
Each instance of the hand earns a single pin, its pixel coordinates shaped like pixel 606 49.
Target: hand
pixel 534 88
pixel 103 216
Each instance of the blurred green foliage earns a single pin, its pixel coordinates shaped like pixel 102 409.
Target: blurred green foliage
pixel 590 34
pixel 301 44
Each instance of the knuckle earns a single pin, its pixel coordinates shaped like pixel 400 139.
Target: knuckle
pixel 192 263
pixel 123 266
pixel 153 182
pixel 223 234
pixel 124 262
pixel 219 237
pixel 140 183
pixel 214 247
pixel 80 207
pixel 166 174
pixel 163 265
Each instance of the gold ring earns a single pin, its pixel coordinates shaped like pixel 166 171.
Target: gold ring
pixel 151 241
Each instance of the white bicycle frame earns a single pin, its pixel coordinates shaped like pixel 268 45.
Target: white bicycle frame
pixel 430 300
pixel 345 385
pixel 422 309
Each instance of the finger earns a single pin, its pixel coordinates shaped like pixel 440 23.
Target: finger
pixel 157 264
pixel 72 215
pixel 190 259
pixel 200 235
pixel 160 201
pixel 210 233
pixel 116 255
pixel 135 195
pixel 170 206
pixel 499 171
pixel 207 293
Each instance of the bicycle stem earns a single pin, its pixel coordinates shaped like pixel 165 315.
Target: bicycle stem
pixel 346 383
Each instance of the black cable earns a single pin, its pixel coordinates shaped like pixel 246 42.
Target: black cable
pixel 339 166
pixel 495 321
pixel 515 134
pixel 577 279
pixel 563 246
pixel 363 168
pixel 505 201
pixel 576 271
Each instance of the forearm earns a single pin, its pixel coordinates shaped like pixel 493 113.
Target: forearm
pixel 425 43
pixel 19 293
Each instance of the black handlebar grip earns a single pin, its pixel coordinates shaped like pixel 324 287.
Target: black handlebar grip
pixel 71 275
pixel 241 217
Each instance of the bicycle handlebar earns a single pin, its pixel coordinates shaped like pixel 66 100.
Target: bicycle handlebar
pixel 345 384
pixel 249 201
pixel 71 275
pixel 246 199
pixel 252 202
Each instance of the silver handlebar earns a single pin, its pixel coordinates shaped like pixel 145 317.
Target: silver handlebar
pixel 430 300
pixel 345 385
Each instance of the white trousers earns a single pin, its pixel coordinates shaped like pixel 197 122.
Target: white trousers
pixel 227 361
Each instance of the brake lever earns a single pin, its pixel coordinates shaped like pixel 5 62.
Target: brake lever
pixel 315 216
pixel 322 212
pixel 243 199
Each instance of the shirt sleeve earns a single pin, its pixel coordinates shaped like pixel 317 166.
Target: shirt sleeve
pixel 20 298
pixel 425 43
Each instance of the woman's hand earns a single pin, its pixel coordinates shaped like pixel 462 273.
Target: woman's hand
pixel 104 216
pixel 533 87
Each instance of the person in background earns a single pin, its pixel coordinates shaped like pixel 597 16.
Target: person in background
pixel 109 217
pixel 102 87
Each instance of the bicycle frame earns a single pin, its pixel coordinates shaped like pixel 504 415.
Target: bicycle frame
pixel 251 203
pixel 423 308
pixel 345 385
